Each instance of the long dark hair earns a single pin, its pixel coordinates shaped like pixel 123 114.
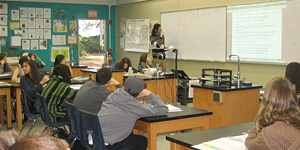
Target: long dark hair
pixel 6 68
pixel 155 29
pixel 22 60
pixel 34 72
pixel 120 63
pixel 292 73
pixel 143 58
pixel 63 71
pixel 58 59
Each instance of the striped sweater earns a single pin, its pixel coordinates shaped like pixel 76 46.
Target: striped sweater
pixel 56 91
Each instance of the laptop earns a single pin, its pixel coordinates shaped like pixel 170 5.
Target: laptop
pixel 181 74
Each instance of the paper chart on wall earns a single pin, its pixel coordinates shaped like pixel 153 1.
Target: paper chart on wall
pixel 31 33
pixel 31 22
pixel 47 12
pixel 47 33
pixel 24 33
pixel 3 8
pixel 31 12
pixel 3 30
pixel 39 23
pixel 64 50
pixel 15 15
pixel 3 20
pixel 23 12
pixel 39 12
pixel 137 35
pixel 24 22
pixel 25 44
pixel 34 44
pixel 43 44
pixel 58 39
pixel 47 23
pixel 39 33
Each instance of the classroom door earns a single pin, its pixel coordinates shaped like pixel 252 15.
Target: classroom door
pixel 92 41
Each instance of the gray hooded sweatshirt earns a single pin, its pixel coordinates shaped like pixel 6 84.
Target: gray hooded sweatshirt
pixel 121 110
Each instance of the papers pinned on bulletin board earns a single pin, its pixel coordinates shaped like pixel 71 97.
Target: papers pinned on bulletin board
pixel 3 8
pixel 64 50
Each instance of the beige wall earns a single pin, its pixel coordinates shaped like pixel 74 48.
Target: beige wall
pixel 258 74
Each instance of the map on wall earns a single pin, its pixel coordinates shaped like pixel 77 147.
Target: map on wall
pixel 137 35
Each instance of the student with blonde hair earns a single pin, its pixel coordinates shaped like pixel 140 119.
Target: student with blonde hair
pixel 9 140
pixel 277 124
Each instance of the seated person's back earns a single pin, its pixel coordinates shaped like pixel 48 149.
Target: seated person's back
pixel 56 91
pixel 91 95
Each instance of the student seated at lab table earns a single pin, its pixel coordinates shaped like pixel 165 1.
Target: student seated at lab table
pixel 35 57
pixel 144 62
pixel 18 73
pixel 277 124
pixel 124 65
pixel 56 91
pixel 121 110
pixel 32 82
pixel 292 73
pixel 60 59
pixel 110 64
pixel 4 66
pixel 92 94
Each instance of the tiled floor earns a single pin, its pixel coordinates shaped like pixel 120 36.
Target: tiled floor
pixel 162 143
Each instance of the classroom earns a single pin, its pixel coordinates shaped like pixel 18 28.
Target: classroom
pixel 203 118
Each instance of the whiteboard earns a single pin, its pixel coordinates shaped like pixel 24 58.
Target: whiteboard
pixel 137 35
pixel 198 34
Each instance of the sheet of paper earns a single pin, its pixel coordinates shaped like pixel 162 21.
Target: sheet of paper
pixel 24 33
pixel 39 33
pixel 58 39
pixel 34 44
pixel 23 12
pixel 3 30
pixel 15 41
pixel 31 22
pixel 3 20
pixel 39 23
pixel 76 87
pixel 31 33
pixel 47 23
pixel 47 12
pixel 173 108
pixel 25 44
pixel 31 12
pixel 39 12
pixel 191 90
pixel 43 44
pixel 47 33
pixel 225 143
pixel 24 22
pixel 15 15
pixel 122 42
pixel 3 8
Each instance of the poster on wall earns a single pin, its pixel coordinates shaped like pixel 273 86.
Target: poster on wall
pixel 25 44
pixel 60 26
pixel 64 50
pixel 3 30
pixel 23 12
pixel 58 39
pixel 31 33
pixel 43 44
pixel 2 42
pixel 24 23
pixel 3 19
pixel 34 44
pixel 137 35
pixel 31 12
pixel 39 12
pixel 3 8
pixel 24 33
pixel 47 33
pixel 47 12
pixel 92 13
pixel 72 39
pixel 47 23
pixel 14 25
pixel 31 22
pixel 15 15
pixel 39 23
pixel 73 25
pixel 39 33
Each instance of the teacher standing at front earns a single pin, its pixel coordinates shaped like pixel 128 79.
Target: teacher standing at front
pixel 157 40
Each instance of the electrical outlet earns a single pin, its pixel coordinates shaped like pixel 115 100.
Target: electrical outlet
pixel 216 96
